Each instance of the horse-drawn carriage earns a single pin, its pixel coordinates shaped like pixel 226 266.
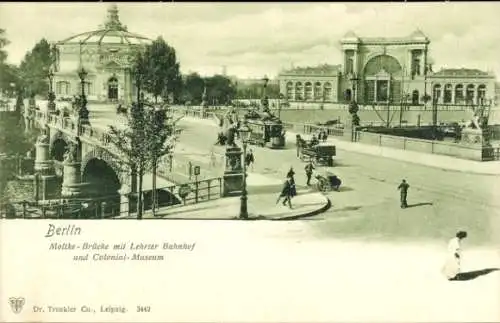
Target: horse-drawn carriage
pixel 318 153
pixel 328 182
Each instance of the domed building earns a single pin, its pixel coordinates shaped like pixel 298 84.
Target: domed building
pixel 106 55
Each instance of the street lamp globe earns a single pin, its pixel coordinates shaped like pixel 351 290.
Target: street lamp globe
pixel 82 73
pixel 244 132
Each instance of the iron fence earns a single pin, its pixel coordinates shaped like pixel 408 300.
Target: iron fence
pixel 116 206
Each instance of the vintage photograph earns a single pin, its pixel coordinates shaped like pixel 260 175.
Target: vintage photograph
pixel 337 161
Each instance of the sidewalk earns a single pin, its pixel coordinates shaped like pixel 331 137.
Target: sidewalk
pixel 430 160
pixel 260 207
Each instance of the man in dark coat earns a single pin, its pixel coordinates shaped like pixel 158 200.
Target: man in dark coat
pixel 249 159
pixel 291 176
pixel 309 170
pixel 403 189
pixel 286 192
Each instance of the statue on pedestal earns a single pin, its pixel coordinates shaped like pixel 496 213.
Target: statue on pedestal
pixel 43 138
pixel 70 155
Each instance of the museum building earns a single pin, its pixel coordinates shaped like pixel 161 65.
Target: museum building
pixel 106 55
pixel 384 71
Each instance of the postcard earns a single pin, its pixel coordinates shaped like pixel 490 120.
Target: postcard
pixel 249 162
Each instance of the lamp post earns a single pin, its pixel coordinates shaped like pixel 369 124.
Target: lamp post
pixel 265 102
pixel 353 80
pixel 83 113
pixel 51 105
pixel 244 132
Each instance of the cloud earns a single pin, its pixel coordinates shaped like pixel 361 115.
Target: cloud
pixel 261 38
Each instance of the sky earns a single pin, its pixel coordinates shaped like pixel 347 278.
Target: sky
pixel 257 39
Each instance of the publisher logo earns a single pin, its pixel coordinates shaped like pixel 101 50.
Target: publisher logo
pixel 16 304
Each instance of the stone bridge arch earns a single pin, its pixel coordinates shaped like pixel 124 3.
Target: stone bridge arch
pixel 106 160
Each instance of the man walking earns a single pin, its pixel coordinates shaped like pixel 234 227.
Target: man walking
pixel 249 159
pixel 309 171
pixel 286 192
pixel 403 188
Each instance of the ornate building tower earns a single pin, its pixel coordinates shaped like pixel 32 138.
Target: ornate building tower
pixel 106 54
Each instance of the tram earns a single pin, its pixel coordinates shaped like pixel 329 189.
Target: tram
pixel 266 131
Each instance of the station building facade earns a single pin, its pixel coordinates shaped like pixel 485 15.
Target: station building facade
pixel 106 55
pixel 386 71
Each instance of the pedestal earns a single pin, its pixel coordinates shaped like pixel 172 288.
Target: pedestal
pixel 233 172
pixel 349 131
pixel 46 187
pixel 71 186
pixel 43 164
pixel 478 139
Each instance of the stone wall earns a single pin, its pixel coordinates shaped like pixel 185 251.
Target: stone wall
pixel 471 152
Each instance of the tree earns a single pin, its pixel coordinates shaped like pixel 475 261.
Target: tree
pixel 148 135
pixel 193 88
pixel 8 72
pixel 132 144
pixel 160 132
pixel 13 139
pixel 162 77
pixel 220 89
pixel 353 110
pixel 34 68
pixel 3 42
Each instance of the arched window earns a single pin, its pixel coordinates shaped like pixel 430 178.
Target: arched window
pixel 414 98
pixel 327 91
pixel 308 93
pixel 459 94
pixel 289 90
pixel 318 95
pixel 436 92
pixel 113 88
pixel 448 89
pixel 481 94
pixel 469 94
pixel 299 90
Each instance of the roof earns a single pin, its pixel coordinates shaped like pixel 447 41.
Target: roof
pixel 324 69
pixel 460 72
pixel 415 37
pixel 112 32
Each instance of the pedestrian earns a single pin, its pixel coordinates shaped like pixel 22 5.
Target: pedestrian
pixel 309 171
pixel 249 159
pixel 314 141
pixel 298 143
pixel 451 268
pixel 286 192
pixel 403 188
pixel 291 176
pixel 325 135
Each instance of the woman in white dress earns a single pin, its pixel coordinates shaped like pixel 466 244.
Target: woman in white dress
pixel 452 266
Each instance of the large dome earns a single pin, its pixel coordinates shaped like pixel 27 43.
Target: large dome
pixel 113 32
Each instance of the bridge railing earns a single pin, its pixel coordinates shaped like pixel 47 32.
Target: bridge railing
pixel 312 128
pixel 110 207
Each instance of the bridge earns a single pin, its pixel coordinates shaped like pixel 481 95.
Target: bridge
pixel 76 161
